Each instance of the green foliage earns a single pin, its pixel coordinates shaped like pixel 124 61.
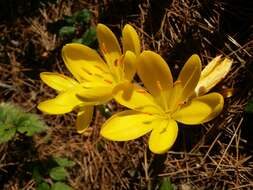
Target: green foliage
pixel 105 111
pixel 77 27
pixel 249 106
pixel 58 173
pixel 55 169
pixel 60 186
pixel 13 121
pixel 166 185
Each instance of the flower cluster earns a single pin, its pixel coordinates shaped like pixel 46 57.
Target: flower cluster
pixel 155 107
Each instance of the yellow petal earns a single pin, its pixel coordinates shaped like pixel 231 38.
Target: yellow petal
pixel 163 136
pixel 137 98
pixel 212 74
pixel 156 75
pixel 201 109
pixel 57 81
pixel 84 118
pixel 108 44
pixel 189 76
pixel 129 64
pixel 84 63
pixel 128 125
pixel 52 107
pixel 63 103
pixel 130 40
pixel 97 94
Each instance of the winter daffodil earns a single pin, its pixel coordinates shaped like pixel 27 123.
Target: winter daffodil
pixel 164 104
pixel 95 77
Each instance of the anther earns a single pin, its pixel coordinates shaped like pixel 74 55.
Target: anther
pixel 141 91
pixel 116 62
pixel 108 81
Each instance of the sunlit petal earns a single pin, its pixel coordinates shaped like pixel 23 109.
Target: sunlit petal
pixel 83 62
pixel 52 107
pixel 129 64
pixel 130 40
pixel 163 136
pixel 128 125
pixel 84 118
pixel 108 44
pixel 137 98
pixel 57 81
pixel 200 109
pixel 97 93
pixel 156 75
pixel 189 76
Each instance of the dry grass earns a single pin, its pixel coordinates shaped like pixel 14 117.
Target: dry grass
pixel 216 155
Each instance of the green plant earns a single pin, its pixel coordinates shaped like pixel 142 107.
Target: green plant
pixel 53 174
pixel 77 27
pixel 14 121
pixel 166 184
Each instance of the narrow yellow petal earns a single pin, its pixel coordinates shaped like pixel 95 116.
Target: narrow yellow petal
pixel 108 44
pixel 130 40
pixel 129 65
pixel 163 136
pixel 57 81
pixel 97 94
pixel 52 107
pixel 137 98
pixel 84 118
pixel 156 75
pixel 84 63
pixel 201 109
pixel 212 74
pixel 189 76
pixel 128 125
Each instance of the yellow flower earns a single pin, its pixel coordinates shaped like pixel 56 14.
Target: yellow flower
pixel 165 103
pixel 95 78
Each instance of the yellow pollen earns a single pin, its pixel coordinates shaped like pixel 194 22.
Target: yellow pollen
pixel 108 81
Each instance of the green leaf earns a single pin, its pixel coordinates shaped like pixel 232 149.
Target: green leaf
pixel 58 173
pixel 60 186
pixel 249 106
pixel 67 30
pixel 36 175
pixel 6 133
pixel 78 40
pixel 89 36
pixel 166 185
pixel 64 162
pixel 82 16
pixel 43 186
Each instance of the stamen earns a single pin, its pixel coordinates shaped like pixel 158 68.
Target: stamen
pixel 116 62
pixel 141 91
pixel 108 81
